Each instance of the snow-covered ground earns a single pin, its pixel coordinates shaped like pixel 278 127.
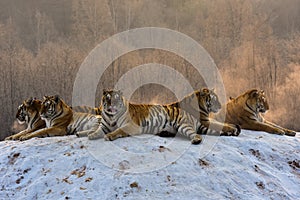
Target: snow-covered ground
pixel 255 165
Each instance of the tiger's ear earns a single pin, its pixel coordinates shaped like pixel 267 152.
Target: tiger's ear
pixel 231 98
pixel 26 103
pixel 45 97
pixel 104 92
pixel 29 101
pixel 56 98
pixel 262 92
pixel 254 94
pixel 204 92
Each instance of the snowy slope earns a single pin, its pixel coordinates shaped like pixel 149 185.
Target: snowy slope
pixel 255 165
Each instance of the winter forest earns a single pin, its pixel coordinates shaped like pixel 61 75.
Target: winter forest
pixel 254 43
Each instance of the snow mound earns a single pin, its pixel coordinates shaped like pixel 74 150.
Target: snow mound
pixel 255 165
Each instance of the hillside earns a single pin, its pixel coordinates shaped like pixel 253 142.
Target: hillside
pixel 255 165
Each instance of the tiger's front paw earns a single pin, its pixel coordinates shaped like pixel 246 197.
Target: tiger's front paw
pixel 290 133
pixel 109 137
pixel 233 132
pixel 12 137
pixel 24 137
pixel 237 130
pixel 9 138
pixel 196 139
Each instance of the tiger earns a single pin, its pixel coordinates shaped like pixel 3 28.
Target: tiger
pixel 120 118
pixel 61 120
pixel 28 112
pixel 200 104
pixel 246 110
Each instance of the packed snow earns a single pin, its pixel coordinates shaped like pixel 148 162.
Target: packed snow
pixel 254 165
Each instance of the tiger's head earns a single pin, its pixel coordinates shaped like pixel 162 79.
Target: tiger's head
pixel 28 110
pixel 112 101
pixel 51 107
pixel 22 115
pixel 257 100
pixel 210 100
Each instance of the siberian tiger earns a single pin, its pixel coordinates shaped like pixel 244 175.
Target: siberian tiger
pixel 61 120
pixel 246 110
pixel 28 112
pixel 121 119
pixel 200 104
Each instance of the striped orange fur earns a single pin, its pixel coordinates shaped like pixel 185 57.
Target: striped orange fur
pixel 121 118
pixel 200 104
pixel 28 112
pixel 60 120
pixel 245 110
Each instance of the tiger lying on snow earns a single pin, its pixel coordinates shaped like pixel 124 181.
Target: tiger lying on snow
pixel 53 117
pixel 121 119
pixel 200 104
pixel 246 110
pixel 28 112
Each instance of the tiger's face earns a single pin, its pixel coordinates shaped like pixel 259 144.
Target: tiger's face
pixel 22 114
pixel 112 101
pixel 259 100
pixel 211 100
pixel 50 106
pixel 27 110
